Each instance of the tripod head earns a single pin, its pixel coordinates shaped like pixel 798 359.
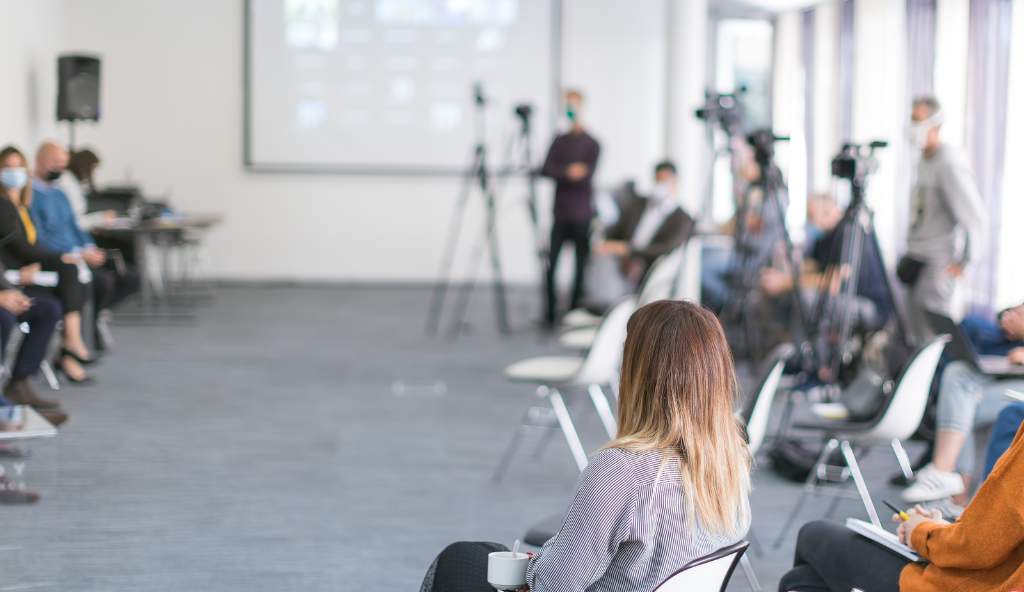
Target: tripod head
pixel 763 142
pixel 524 111
pixel 855 162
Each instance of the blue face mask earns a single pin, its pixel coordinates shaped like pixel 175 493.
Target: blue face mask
pixel 13 177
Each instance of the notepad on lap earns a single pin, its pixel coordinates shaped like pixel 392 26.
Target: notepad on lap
pixel 882 537
pixel 46 279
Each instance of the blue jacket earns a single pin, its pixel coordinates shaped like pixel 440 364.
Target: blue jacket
pixel 55 221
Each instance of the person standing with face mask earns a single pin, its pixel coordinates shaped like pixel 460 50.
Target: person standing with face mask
pixel 571 161
pixel 947 219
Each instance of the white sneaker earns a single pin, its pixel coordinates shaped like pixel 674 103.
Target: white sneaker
pixel 931 484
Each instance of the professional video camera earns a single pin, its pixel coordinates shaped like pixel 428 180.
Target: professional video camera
pixel 763 142
pixel 856 161
pixel 724 108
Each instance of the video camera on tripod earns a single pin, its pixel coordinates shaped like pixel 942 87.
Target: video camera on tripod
pixel 856 161
pixel 725 109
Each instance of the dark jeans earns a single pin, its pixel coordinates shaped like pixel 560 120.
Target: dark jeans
pixel 110 288
pixel 461 567
pixel 1003 433
pixel 579 234
pixel 831 558
pixel 42 320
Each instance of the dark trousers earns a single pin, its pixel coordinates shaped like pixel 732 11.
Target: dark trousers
pixel 832 558
pixel 461 567
pixel 69 290
pixel 42 319
pixel 579 234
pixel 110 288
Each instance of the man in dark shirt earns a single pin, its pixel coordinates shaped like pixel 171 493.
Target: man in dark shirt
pixel 570 162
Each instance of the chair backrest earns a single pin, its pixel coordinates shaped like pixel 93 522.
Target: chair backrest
pixel 660 280
pixel 759 406
pixel 604 357
pixel 903 413
pixel 710 573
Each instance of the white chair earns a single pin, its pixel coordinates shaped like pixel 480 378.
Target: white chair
pixel 758 409
pixel 710 573
pixel 659 283
pixel 599 366
pixel 898 419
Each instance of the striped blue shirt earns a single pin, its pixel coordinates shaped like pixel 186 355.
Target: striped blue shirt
pixel 624 531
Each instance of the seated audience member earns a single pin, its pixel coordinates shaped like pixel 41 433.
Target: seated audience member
pixel 21 251
pixel 968 400
pixel 59 231
pixel 983 551
pixel 647 228
pixel 41 314
pixel 673 485
pixel 872 306
pixel 78 183
pixel 1003 430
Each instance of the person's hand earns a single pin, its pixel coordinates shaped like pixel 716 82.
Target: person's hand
pixel 617 248
pixel 14 301
pixel 1016 355
pixel 109 215
pixel 94 257
pixel 577 171
pixel 918 516
pixel 956 270
pixel 775 282
pixel 72 258
pixel 28 274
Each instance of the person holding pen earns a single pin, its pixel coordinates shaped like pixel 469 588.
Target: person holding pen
pixel 981 552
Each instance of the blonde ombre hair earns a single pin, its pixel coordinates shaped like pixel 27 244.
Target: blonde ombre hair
pixel 677 396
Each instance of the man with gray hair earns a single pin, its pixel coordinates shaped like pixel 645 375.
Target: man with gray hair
pixel 947 219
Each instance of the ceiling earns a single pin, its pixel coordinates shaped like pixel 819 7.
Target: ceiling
pixel 758 8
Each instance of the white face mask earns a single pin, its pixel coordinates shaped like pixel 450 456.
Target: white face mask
pixel 917 132
pixel 662 191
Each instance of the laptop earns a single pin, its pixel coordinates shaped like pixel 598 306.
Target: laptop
pixel 961 348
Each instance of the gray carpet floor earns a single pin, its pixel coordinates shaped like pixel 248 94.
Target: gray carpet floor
pixel 305 438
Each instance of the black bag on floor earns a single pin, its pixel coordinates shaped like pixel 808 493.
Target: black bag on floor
pixel 792 460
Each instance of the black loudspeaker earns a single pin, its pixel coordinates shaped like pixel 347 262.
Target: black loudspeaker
pixel 78 87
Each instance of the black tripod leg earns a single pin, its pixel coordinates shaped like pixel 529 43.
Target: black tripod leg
pixel 454 230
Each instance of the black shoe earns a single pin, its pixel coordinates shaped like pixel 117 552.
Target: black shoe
pixel 58 365
pixel 83 361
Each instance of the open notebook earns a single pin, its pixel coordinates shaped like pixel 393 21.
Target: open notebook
pixel 882 537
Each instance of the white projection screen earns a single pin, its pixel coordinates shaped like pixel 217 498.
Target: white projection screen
pixel 367 86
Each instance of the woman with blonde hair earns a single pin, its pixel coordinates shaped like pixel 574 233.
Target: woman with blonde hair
pixel 671 487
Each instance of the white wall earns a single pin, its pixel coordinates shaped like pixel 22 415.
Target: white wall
pixel 31 38
pixel 172 93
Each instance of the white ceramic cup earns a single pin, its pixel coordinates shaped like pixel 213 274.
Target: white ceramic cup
pixel 507 570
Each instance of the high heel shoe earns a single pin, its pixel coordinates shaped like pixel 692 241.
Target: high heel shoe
pixel 58 365
pixel 83 361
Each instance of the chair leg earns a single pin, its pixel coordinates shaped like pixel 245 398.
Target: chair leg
pixel 49 375
pixel 748 570
pixel 572 438
pixel 755 544
pixel 604 411
pixel 809 487
pixel 858 479
pixel 509 453
pixel 902 458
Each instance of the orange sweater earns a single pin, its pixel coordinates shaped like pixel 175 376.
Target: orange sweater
pixel 984 550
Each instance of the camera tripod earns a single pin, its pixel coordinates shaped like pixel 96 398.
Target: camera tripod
pixel 752 252
pixel 835 312
pixel 477 177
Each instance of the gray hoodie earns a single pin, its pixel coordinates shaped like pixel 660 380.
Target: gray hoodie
pixel 947 216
